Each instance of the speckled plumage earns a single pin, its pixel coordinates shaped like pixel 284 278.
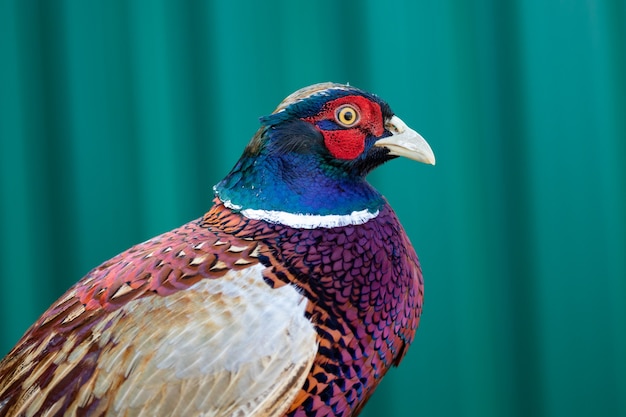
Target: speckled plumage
pixel 226 315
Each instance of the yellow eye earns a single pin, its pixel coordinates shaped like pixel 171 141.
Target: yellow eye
pixel 347 115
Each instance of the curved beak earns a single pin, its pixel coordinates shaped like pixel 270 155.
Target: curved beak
pixel 405 141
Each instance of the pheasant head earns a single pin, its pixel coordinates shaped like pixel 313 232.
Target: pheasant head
pixel 306 165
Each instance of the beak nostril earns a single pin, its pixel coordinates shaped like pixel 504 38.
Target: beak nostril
pixel 392 128
pixel 395 125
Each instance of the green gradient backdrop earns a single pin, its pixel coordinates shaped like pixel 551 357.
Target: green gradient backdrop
pixel 117 117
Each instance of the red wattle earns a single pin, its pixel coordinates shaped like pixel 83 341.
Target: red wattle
pixel 344 144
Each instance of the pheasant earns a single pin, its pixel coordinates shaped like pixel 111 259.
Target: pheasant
pixel 293 295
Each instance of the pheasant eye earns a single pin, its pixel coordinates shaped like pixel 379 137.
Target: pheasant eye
pixel 347 115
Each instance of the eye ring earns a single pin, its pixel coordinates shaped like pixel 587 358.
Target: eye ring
pixel 347 115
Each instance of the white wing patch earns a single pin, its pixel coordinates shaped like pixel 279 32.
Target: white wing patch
pixel 231 346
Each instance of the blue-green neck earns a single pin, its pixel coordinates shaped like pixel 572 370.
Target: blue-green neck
pixel 295 183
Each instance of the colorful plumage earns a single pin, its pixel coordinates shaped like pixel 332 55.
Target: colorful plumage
pixel 293 295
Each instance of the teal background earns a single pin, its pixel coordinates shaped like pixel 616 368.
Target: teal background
pixel 117 117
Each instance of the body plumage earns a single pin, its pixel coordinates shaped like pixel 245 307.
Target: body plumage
pixel 293 295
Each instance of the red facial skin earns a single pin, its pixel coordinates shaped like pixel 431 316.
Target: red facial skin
pixel 349 142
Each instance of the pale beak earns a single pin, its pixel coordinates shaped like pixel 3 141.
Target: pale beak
pixel 405 141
